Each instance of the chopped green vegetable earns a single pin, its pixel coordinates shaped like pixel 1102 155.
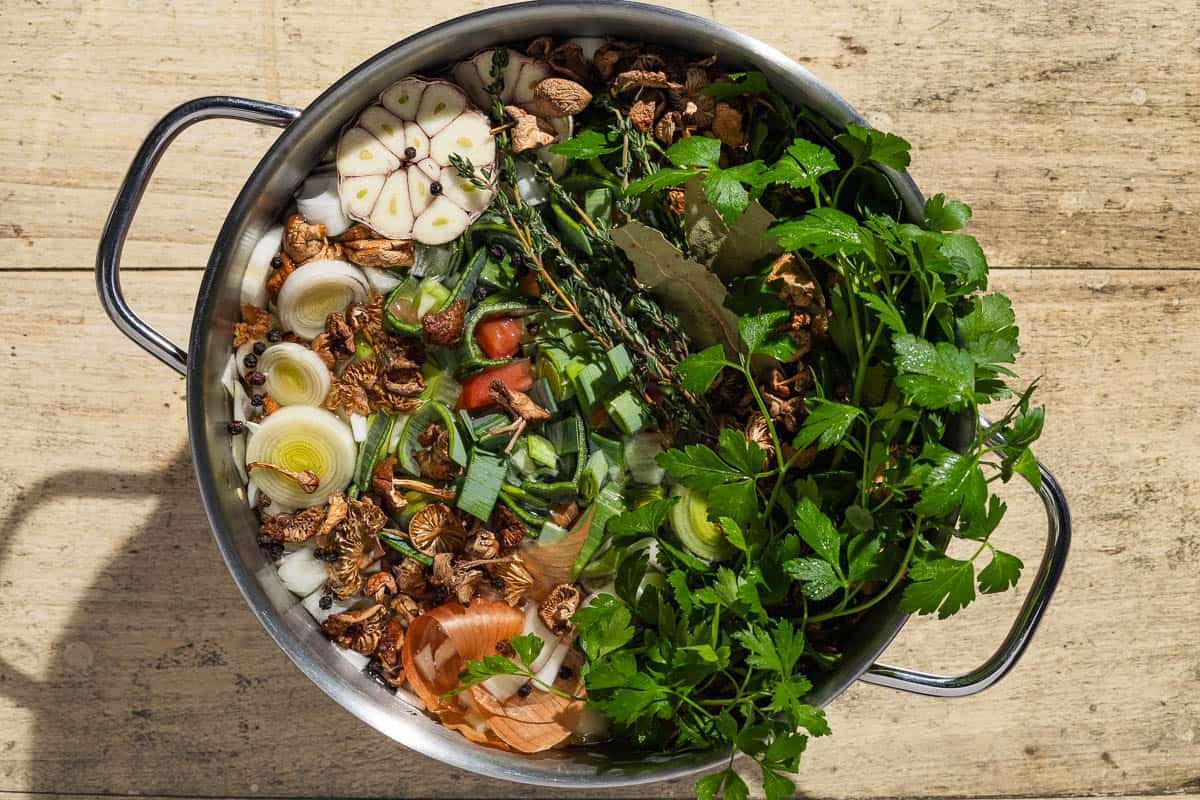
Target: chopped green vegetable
pixel 481 484
pixel 541 451
pixel 628 412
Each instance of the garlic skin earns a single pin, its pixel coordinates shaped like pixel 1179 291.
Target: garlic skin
pixel 394 164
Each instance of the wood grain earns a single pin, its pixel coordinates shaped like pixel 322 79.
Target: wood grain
pixel 1071 127
pixel 130 663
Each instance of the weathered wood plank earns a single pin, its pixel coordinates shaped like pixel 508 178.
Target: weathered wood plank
pixel 1070 128
pixel 128 662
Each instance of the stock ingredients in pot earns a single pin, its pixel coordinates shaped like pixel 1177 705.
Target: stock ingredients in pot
pixel 595 391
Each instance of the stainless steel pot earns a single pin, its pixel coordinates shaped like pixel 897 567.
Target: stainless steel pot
pixel 266 194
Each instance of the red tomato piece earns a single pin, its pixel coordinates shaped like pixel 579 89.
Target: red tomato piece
pixel 500 337
pixel 516 375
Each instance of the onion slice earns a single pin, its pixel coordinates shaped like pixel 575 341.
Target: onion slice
pixel 550 564
pixel 471 632
pixel 319 204
pixel 316 290
pixel 258 268
pixel 542 719
pixel 301 438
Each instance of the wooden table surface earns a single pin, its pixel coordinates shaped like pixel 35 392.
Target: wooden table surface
pixel 128 662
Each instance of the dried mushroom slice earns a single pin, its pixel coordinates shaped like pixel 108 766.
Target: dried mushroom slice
pixel 395 163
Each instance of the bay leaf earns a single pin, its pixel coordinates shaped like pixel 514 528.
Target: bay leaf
pixel 682 285
pixel 747 243
pixel 706 231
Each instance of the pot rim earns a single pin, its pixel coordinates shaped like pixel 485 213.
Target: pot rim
pixel 364 703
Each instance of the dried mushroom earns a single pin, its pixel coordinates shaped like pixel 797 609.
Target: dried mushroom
pixel 758 432
pixel 483 545
pixel 255 324
pixel 444 328
pixel 308 480
pixel 358 629
pixel 380 586
pixel 294 528
pixel 517 580
pixel 558 97
pixel 411 578
pixel 303 242
pixel 528 132
pixel 727 125
pixel 508 526
pixel 433 458
pixel 363 247
pixel 435 529
pixel 559 606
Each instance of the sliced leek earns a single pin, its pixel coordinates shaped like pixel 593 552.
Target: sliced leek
pixel 396 162
pixel 689 520
pixel 316 290
pixel 303 438
pixel 296 376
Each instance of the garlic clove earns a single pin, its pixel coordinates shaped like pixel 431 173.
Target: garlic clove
pixel 442 222
pixel 467 76
pixel 404 97
pixel 419 181
pixel 392 215
pixel 360 153
pixel 384 126
pixel 360 194
pixel 416 138
pixel 467 136
pixel 512 74
pixel 533 73
pixel 441 104
pixel 464 193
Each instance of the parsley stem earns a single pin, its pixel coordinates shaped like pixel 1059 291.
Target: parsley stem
pixel 762 407
pixel 901 571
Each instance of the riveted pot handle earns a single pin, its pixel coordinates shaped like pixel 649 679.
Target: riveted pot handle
pixel 116 228
pixel 1058 541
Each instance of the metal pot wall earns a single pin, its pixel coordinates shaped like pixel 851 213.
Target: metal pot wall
pixel 306 136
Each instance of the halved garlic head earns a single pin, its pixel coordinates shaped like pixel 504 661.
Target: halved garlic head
pixel 395 163
pixel 521 76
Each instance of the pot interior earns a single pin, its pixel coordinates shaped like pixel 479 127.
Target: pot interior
pixel 266 195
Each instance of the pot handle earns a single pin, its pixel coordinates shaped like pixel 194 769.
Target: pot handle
pixel 1058 541
pixel 116 228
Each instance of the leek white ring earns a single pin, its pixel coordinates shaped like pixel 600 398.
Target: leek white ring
pixel 302 438
pixel 316 290
pixel 296 376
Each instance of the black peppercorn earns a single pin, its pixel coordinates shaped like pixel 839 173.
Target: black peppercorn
pixel 326 602
pixel 330 556
pixel 518 260
pixel 435 188
pixel 276 262
pixel 566 673
pixel 256 399
pixel 264 540
pixel 275 550
pixel 497 250
pixel 479 294
pixel 319 553
pixel 259 348
pixel 410 153
pixel 256 379
pixel 236 427
pixel 274 337
pixel 250 361
pixel 525 689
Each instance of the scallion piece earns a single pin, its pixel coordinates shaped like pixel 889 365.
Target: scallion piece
pixel 542 393
pixel 379 431
pixel 541 451
pixel 592 384
pixel 620 362
pixel 613 450
pixel 608 504
pixel 396 541
pixel 595 474
pixel 481 484
pixel 550 532
pixel 551 366
pixel 628 412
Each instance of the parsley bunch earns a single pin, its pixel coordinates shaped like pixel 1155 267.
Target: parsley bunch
pixel 855 507
pixel 719 655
